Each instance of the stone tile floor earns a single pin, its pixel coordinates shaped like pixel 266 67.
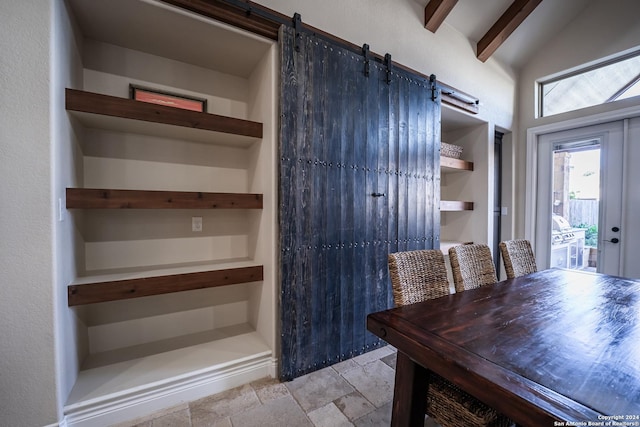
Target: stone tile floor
pixel 356 392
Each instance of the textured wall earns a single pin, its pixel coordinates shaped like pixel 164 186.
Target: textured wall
pixel 27 362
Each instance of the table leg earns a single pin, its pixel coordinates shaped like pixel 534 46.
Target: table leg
pixel 409 393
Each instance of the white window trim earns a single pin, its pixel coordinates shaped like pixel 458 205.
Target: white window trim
pixel 584 68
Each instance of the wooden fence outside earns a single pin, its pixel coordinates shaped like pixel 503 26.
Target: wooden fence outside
pixel 583 211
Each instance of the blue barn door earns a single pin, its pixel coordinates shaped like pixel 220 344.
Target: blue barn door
pixel 359 179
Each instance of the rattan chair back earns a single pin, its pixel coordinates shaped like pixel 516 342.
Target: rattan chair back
pixel 417 276
pixel 518 258
pixel 472 266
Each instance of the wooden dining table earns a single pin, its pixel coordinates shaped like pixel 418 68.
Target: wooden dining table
pixel 553 348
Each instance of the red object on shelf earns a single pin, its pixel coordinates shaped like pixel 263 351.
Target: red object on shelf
pixel 162 98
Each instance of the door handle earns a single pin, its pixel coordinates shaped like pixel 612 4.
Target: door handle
pixel 614 240
pixel 377 194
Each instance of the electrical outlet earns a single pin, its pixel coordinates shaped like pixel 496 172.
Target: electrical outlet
pixel 196 223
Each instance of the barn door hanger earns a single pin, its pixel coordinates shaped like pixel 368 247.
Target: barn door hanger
pixel 388 64
pixel 297 27
pixel 434 87
pixel 365 53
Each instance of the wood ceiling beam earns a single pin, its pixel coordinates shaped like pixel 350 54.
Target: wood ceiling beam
pixel 504 26
pixel 435 12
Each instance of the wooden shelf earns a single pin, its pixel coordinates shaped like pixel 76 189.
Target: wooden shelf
pixel 454 205
pixel 448 163
pixel 127 115
pixel 93 198
pixel 118 288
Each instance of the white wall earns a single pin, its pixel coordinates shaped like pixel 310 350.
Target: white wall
pixel 603 29
pixel 27 350
pixel 71 342
pixel 264 99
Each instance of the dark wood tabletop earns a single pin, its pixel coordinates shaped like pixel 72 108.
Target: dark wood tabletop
pixel 551 348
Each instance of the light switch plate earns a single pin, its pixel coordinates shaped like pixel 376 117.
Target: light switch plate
pixel 196 223
pixel 60 210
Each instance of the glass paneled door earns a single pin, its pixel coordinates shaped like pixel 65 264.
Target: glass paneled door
pixel 580 198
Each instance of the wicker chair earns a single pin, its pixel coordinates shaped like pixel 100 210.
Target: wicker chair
pixel 421 275
pixel 518 258
pixel 472 266
pixel 417 276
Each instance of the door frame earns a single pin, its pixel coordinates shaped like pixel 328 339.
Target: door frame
pixel 610 140
pixel 531 166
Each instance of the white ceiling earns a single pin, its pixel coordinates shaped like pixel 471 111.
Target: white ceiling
pixel 474 18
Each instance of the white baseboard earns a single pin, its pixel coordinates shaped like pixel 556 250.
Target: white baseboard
pixel 141 401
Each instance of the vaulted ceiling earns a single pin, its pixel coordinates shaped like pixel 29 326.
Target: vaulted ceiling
pixel 515 28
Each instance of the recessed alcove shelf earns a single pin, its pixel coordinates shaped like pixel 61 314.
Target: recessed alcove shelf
pixel 463 186
pixel 161 310
pixel 118 286
pixel 94 198
pixel 126 115
pixel 455 206
pixel 448 164
pixel 111 379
